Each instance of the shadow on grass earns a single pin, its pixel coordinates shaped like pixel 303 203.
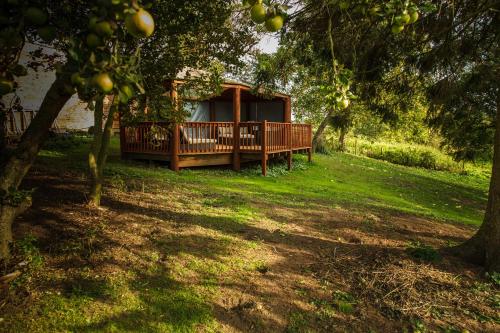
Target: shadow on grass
pixel 154 300
pixel 163 305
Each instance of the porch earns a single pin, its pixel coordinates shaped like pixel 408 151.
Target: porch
pixel 215 143
pixel 234 127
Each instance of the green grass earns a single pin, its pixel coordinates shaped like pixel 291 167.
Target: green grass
pixel 416 155
pixel 337 179
pixel 223 202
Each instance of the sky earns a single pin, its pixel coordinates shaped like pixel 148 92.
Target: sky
pixel 268 43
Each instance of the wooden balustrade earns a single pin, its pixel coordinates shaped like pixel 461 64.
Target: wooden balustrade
pixel 278 137
pixel 18 121
pixel 251 136
pixel 145 138
pixel 301 136
pixel 214 137
pixel 206 137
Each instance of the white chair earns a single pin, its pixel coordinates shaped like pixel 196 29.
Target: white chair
pixel 187 134
pixel 227 133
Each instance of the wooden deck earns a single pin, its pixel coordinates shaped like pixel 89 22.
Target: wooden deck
pixel 215 143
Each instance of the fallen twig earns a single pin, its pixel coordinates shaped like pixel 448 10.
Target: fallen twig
pixel 9 277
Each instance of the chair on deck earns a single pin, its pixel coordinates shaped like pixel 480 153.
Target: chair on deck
pixel 191 137
pixel 227 133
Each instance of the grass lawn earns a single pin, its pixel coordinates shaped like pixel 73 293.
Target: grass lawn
pixel 343 244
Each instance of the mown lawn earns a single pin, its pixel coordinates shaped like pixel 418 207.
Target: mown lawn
pixel 339 179
pixel 318 249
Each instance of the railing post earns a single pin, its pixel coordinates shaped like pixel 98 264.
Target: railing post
pixel 174 159
pixel 123 140
pixel 290 146
pixel 236 129
pixel 264 148
pixel 236 147
pixel 309 140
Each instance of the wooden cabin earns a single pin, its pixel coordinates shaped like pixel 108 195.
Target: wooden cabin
pixel 230 129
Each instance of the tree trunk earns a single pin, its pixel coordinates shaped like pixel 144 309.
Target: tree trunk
pixel 8 214
pixel 3 133
pixel 99 150
pixel 321 129
pixel 94 195
pixel 484 247
pixel 16 166
pixel 343 133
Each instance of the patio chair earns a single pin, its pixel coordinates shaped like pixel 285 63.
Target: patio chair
pixel 227 133
pixel 189 136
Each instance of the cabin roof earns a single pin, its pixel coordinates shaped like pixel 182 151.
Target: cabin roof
pixel 244 86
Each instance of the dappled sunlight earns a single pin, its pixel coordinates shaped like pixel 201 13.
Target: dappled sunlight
pixel 214 250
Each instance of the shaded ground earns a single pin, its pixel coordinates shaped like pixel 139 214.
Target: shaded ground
pixel 215 251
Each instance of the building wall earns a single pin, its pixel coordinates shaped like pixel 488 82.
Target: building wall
pixel 199 111
pixel 258 111
pixel 33 87
pixel 269 110
pixel 223 111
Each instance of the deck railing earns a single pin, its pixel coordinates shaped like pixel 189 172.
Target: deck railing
pixel 146 138
pixel 301 136
pixel 278 137
pixel 18 121
pixel 191 138
pixel 206 137
pixel 250 136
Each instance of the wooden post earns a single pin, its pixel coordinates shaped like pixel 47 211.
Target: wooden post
pixel 174 159
pixel 175 140
pixel 122 135
pixel 290 151
pixel 263 162
pixel 236 129
pixel 288 110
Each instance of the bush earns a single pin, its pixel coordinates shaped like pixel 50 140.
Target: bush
pixel 322 147
pixel 409 157
pixel 412 156
pixel 59 142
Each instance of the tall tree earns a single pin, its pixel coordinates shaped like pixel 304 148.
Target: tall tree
pixel 463 64
pixel 201 39
pixel 66 25
pixel 453 45
pixel 21 21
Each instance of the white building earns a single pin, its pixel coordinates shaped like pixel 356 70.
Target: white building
pixel 75 116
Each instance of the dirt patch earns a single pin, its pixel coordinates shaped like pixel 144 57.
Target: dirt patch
pixel 315 268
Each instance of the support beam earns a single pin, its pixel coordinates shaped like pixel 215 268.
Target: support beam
pixel 236 130
pixel 122 136
pixel 263 161
pixel 289 160
pixel 287 112
pixel 309 155
pixel 174 161
pixel 175 143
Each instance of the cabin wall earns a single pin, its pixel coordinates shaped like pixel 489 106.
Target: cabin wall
pixel 223 111
pixel 199 111
pixel 269 110
pixel 257 111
